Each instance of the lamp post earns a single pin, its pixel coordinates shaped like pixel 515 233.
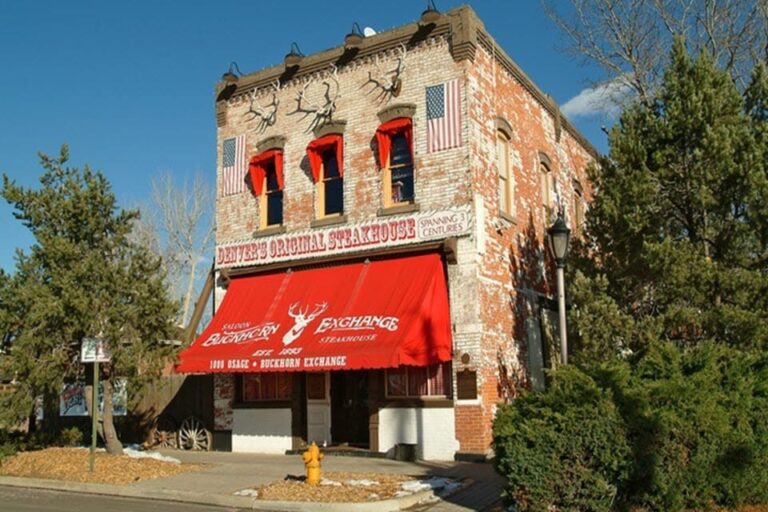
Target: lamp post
pixel 559 235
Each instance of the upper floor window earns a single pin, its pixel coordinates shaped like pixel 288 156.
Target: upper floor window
pixel 395 145
pixel 547 191
pixel 266 171
pixel 578 206
pixel 506 186
pixel 326 162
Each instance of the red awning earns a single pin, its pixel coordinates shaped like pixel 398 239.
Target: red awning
pixel 381 314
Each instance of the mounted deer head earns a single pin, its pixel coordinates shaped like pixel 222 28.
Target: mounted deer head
pixel 321 113
pixel 266 115
pixel 390 82
pixel 302 317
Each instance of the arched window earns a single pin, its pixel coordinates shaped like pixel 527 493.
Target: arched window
pixel 506 183
pixel 547 189
pixel 578 206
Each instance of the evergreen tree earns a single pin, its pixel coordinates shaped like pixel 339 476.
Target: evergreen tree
pixel 83 277
pixel 678 221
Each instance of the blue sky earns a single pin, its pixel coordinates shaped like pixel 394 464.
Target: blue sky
pixel 129 86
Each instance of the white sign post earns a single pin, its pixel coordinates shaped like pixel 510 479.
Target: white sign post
pixel 93 350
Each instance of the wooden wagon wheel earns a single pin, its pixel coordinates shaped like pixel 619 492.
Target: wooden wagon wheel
pixel 163 434
pixel 193 435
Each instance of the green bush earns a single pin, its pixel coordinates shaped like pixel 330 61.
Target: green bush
pixel 72 436
pixel 564 449
pixel 668 430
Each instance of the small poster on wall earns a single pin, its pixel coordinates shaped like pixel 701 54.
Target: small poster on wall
pixel 72 399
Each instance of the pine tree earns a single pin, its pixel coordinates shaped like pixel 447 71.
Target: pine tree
pixel 82 277
pixel 678 221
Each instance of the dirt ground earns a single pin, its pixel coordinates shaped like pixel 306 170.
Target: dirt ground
pixel 346 487
pixel 73 464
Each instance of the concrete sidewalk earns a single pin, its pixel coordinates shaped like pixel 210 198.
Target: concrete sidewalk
pixel 226 473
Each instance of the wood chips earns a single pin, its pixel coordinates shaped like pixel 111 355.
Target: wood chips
pixel 73 464
pixel 294 489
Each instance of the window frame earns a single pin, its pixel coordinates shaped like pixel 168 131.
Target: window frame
pixel 242 382
pixel 505 174
pixel 399 126
pixel 546 190
pixel 322 181
pixel 444 367
pixel 260 168
pixel 264 202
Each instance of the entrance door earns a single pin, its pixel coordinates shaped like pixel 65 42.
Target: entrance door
pixel 349 408
pixel 318 409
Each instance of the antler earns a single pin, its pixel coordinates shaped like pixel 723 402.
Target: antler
pixel 322 113
pixel 390 82
pixel 267 117
pixel 319 308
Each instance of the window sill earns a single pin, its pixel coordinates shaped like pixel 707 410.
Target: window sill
pixel 508 217
pixel 271 230
pixel 401 208
pixel 263 404
pixel 425 402
pixel 328 221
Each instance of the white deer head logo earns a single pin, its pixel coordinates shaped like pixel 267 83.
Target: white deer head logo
pixel 302 317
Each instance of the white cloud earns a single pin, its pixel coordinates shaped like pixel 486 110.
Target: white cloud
pixel 601 100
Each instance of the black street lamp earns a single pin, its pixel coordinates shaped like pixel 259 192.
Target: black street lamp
pixel 559 236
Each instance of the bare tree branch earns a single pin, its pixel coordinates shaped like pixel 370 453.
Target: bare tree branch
pixel 630 40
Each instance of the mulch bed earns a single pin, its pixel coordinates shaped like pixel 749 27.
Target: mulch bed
pixel 295 489
pixel 72 464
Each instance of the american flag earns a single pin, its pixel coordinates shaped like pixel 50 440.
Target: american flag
pixel 443 116
pixel 233 164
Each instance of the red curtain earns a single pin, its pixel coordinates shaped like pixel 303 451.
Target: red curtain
pixel 258 169
pixel 317 147
pixel 384 135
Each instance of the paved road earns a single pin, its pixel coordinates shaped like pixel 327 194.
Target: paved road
pixel 16 499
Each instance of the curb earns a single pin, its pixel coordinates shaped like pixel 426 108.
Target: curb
pixel 213 499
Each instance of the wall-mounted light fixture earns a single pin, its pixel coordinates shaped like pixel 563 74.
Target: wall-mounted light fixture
pixel 355 37
pixel 230 77
pixel 431 15
pixel 294 56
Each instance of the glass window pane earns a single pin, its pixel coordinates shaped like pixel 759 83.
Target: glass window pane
pixel 400 154
pixel 275 208
pixel 503 206
pixel 284 387
pixel 417 381
pixel 268 386
pixel 330 165
pixel 402 184
pixel 271 176
pixel 334 196
pixel 316 386
pixel 250 387
pixel 396 382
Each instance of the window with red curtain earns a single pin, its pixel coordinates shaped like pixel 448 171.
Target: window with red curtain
pixel 326 160
pixel 395 147
pixel 266 173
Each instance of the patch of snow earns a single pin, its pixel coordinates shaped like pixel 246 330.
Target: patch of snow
pixel 247 492
pixel 325 481
pixel 138 454
pixel 373 496
pixel 435 483
pixel 362 483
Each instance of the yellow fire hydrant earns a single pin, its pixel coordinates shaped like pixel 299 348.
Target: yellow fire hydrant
pixel 312 458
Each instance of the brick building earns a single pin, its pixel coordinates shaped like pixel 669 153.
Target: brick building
pixel 382 278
